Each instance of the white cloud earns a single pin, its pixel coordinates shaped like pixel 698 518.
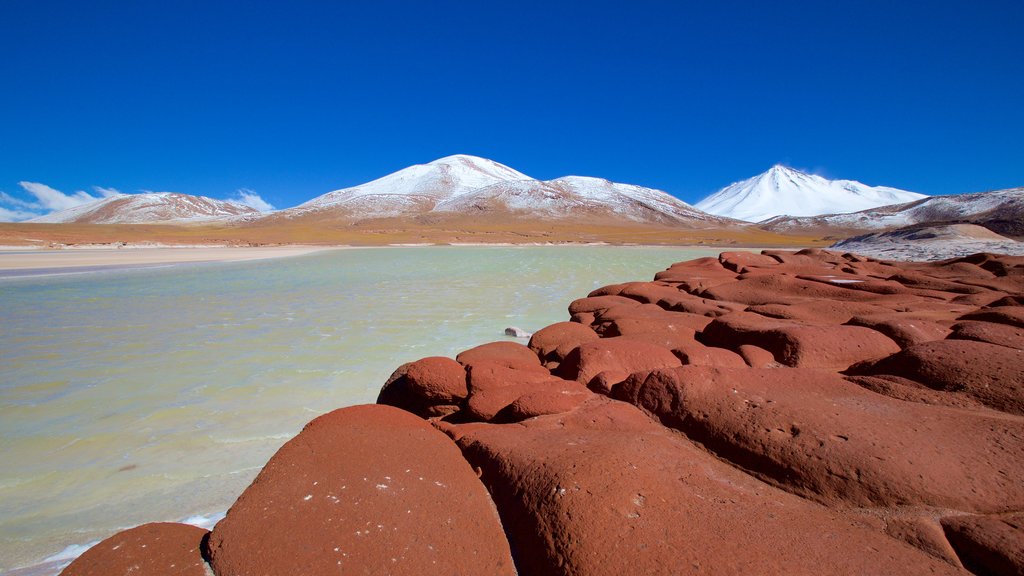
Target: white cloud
pixel 251 199
pixel 52 199
pixel 6 198
pixel 15 215
pixel 107 192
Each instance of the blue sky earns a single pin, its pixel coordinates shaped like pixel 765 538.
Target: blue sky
pixel 290 100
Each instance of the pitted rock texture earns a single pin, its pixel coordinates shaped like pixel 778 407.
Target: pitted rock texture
pixel 364 490
pixel 156 549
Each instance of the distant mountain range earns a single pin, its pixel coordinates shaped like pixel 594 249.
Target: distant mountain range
pixel 785 191
pixel 470 185
pixel 151 208
pixel 781 200
pixel 1001 211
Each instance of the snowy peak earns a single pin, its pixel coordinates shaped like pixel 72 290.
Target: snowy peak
pixel 151 208
pixel 785 191
pixel 416 188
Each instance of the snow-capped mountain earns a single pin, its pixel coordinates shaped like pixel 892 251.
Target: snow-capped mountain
pixel 999 210
pixel 576 197
pixel 151 208
pixel 785 191
pixel 414 189
pixel 471 185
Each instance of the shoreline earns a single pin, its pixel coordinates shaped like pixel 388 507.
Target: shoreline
pixel 23 262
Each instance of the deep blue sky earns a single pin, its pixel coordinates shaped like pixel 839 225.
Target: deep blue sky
pixel 293 99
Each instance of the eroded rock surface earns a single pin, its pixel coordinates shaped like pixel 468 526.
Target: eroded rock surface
pixel 367 489
pixel 156 549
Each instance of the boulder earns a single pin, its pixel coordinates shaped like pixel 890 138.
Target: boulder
pixel 904 330
pixel 155 549
pixel 603 490
pixel 821 437
pixel 424 385
pixel 511 354
pixel 798 344
pixel 621 354
pixel 369 489
pixel 494 388
pixel 990 373
pixel 695 353
pixel 782 289
pixel 991 332
pixel 554 342
pixel 1009 315
pixel 599 303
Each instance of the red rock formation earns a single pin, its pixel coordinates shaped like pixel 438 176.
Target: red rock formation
pixel 785 412
pixel 602 490
pixel 156 549
pixel 367 489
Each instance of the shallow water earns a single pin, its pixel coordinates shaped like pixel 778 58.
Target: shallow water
pixel 157 394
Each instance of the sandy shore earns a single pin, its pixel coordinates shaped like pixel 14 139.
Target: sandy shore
pixel 31 262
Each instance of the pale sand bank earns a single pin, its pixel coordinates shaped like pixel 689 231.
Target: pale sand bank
pixel 24 262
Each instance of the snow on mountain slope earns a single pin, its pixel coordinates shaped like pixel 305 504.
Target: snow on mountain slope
pixel 471 185
pixel 785 191
pixel 151 208
pixel 414 189
pixel 1002 210
pixel 576 197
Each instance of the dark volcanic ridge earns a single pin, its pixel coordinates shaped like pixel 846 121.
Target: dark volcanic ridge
pixel 784 412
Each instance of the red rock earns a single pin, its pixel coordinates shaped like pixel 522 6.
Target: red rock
pixel 510 354
pixel 422 385
pixel 905 389
pixel 919 280
pixel 494 387
pixel 696 275
pixel 603 490
pixel 698 354
pixel 555 341
pixel 988 544
pixel 618 354
pixel 924 534
pixel 599 303
pixel 780 289
pixel 1001 334
pixel 741 262
pixel 799 345
pixel 584 318
pixel 1010 315
pixel 818 311
pixel 824 438
pixel 551 400
pixel 704 307
pixel 157 549
pixel 904 330
pixel 992 374
pixel 756 357
pixel 652 292
pixel 363 489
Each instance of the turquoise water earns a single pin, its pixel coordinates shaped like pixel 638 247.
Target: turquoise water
pixel 157 394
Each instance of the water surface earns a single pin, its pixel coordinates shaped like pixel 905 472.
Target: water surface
pixel 157 394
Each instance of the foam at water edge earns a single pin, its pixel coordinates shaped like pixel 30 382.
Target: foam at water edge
pixel 57 562
pixel 207 522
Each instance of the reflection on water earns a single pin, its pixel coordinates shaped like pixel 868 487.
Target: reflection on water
pixel 157 394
